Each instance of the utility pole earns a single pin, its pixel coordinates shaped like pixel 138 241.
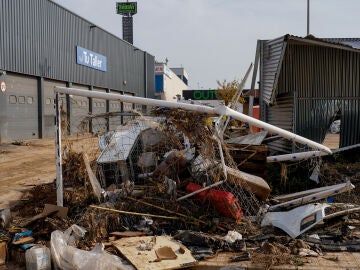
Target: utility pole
pixel 308 18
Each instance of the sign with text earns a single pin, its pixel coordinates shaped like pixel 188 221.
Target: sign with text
pixel 200 94
pixel 126 8
pixel 90 59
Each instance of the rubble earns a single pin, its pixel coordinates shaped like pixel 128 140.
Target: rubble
pixel 173 196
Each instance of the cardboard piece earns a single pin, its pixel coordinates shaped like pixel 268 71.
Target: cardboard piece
pixel 148 260
pixel 61 211
pixel 165 253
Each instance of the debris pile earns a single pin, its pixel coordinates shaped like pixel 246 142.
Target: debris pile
pixel 173 191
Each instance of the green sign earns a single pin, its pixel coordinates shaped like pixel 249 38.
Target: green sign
pixel 200 94
pixel 126 8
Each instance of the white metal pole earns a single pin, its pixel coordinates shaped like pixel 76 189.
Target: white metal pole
pixel 272 129
pixel 295 156
pixel 220 110
pixel 59 178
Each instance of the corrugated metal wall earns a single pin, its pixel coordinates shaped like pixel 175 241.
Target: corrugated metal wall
pixel 39 38
pixel 326 84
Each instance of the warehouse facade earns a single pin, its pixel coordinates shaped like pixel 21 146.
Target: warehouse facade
pixel 43 45
pixel 307 83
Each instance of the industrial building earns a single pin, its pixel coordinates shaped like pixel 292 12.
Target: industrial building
pixel 307 83
pixel 43 45
pixel 169 82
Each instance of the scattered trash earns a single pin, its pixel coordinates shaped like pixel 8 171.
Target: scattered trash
pixel 296 221
pixel 38 258
pixel 176 175
pixel 163 254
pixel 5 218
pixel 335 127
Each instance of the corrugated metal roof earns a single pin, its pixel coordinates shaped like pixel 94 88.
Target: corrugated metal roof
pixel 338 43
pixel 352 42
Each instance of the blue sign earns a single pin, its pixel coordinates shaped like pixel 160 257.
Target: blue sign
pixel 90 59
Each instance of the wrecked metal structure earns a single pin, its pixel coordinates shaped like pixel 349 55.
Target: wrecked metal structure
pixel 307 83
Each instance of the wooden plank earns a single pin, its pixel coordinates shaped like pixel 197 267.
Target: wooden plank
pixel 3 252
pixel 242 155
pixel 127 234
pixel 252 183
pixel 330 261
pixel 61 211
pixel 37 217
pixel 146 260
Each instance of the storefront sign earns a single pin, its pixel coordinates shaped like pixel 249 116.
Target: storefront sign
pixel 90 59
pixel 163 70
pixel 200 94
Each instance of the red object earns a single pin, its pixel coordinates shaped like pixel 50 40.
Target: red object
pixel 223 201
pixel 256 114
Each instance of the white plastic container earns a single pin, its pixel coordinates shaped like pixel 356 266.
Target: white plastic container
pixel 38 258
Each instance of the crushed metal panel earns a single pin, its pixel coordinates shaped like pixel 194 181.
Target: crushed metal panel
pixel 272 54
pixel 121 143
pixel 331 191
pixel 253 139
pixel 296 221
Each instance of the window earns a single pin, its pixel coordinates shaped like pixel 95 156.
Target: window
pixel 30 100
pixel 12 99
pixel 48 101
pixel 21 100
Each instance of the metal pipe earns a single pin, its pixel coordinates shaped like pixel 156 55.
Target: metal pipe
pixel 59 178
pixel 220 110
pixel 306 155
pixel 295 156
pixel 272 129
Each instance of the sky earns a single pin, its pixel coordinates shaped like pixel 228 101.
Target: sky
pixel 215 40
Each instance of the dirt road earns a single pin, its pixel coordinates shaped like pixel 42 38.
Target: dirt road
pixel 21 166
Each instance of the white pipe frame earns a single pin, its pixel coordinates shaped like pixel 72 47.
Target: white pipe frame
pixel 220 110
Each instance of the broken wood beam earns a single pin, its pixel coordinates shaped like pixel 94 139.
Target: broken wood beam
pixel 132 213
pixel 169 211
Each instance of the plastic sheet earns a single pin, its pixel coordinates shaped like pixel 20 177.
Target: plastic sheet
pixel 66 256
